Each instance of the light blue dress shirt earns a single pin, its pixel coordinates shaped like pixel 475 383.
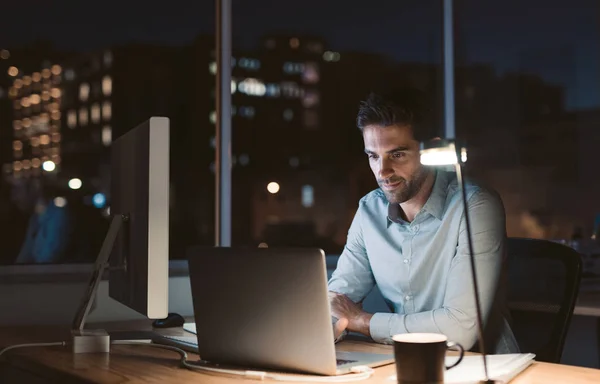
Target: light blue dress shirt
pixel 422 268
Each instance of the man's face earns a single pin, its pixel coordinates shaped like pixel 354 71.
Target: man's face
pixel 395 161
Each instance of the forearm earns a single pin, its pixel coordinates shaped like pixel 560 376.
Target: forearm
pixel 457 325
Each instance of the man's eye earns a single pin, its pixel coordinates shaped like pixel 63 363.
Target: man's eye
pixel 398 155
pixel 372 156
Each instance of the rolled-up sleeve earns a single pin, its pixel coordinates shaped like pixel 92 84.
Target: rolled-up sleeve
pixel 457 318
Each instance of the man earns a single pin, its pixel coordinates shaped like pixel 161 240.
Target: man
pixel 409 238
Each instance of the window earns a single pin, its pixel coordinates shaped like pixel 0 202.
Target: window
pixel 310 73
pixel 288 114
pixel 310 99
pixel 107 85
pixel 311 119
pixel 95 113
pixel 84 91
pixel 83 116
pixel 106 135
pixel 252 87
pixel 247 112
pixel 244 159
pixel 331 56
pixel 69 74
pixel 106 111
pixel 108 59
pixel 71 119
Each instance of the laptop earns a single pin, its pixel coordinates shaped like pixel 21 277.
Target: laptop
pixel 267 308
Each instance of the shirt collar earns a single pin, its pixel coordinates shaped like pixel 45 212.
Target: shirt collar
pixel 435 204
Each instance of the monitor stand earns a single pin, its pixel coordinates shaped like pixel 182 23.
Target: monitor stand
pixel 97 340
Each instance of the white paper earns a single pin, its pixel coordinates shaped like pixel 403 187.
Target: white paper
pixel 500 367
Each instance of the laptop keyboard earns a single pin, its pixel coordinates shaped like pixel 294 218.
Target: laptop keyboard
pixel 193 341
pixel 339 362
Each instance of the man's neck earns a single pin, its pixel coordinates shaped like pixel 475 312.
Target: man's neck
pixel 413 206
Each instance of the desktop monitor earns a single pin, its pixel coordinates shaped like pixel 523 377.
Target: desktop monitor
pixel 139 261
pixel 136 246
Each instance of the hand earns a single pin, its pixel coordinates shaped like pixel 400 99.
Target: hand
pixel 355 319
pixel 339 327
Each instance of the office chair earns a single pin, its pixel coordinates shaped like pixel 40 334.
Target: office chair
pixel 543 283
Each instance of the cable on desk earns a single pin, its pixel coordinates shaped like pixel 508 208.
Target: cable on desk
pixel 359 373
pixel 60 343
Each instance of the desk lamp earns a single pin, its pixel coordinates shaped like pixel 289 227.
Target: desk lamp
pixel 447 151
pixel 443 152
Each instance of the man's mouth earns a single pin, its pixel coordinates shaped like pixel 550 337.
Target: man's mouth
pixel 391 186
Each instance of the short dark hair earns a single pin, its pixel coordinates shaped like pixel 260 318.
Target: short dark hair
pixel 401 106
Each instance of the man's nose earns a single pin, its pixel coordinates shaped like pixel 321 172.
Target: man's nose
pixel 385 169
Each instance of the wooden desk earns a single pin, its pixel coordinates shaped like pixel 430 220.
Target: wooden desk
pixel 140 364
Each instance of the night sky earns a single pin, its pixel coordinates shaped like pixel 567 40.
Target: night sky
pixel 558 39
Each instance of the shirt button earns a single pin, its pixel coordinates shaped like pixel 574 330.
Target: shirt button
pixel 407 297
pixel 405 261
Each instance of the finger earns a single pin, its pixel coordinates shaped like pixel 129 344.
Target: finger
pixel 340 326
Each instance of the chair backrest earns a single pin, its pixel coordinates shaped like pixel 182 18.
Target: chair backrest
pixel 543 283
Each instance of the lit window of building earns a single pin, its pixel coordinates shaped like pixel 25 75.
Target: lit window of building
pixel 291 89
pixel 233 86
pixel 84 91
pixel 56 70
pixel 17 145
pixel 36 77
pixel 34 99
pixel 44 140
pixel 212 117
pixel 107 85
pixel 310 99
pixel 95 113
pixel 71 119
pixel 252 87
pixel 288 114
pixel 46 73
pixel 4 54
pixel 108 59
pixel 247 112
pixel 212 67
pixel 310 73
pixel 213 142
pixel 331 56
pixel 13 71
pixel 308 196
pixel 294 42
pixel 244 159
pixel 247 63
pixel 106 135
pixel 272 90
pixel 106 111
pixel 55 93
pixel 83 116
pixel 69 74
pixel 17 125
pixel 293 68
pixel 56 137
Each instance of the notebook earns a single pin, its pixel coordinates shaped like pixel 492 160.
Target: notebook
pixel 503 368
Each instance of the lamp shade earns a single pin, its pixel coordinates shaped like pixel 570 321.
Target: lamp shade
pixel 442 152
